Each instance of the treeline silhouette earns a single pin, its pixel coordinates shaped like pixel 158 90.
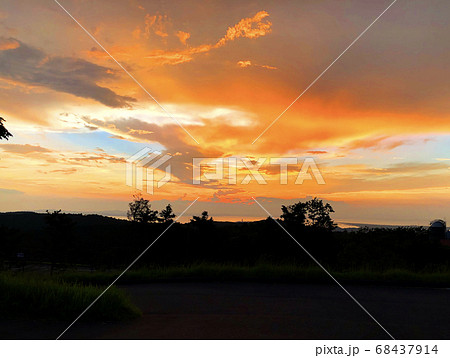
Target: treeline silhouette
pixel 66 240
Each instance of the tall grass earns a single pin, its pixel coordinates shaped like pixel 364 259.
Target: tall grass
pixel 260 273
pixel 198 272
pixel 39 296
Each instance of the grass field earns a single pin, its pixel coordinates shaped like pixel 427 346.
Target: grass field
pixel 41 296
pixel 259 273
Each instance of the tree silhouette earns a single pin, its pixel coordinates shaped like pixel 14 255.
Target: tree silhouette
pixel 318 214
pixel 294 214
pixel 4 133
pixel 202 219
pixel 314 213
pixel 140 210
pixel 166 215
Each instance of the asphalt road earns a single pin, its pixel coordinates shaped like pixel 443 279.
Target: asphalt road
pixel 263 311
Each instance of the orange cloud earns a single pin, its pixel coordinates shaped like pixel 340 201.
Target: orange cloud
pixel 269 67
pixel 244 64
pixel 183 36
pixel 8 44
pixel 160 25
pixel 244 28
pixel 157 24
pixel 316 152
pixel 248 63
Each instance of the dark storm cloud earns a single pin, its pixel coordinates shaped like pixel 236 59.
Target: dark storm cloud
pixel 76 76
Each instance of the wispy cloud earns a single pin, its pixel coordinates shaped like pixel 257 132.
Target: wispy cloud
pixel 10 192
pixel 248 63
pixel 316 152
pixel 250 27
pixel 65 171
pixel 156 24
pixel 24 148
pixel 382 143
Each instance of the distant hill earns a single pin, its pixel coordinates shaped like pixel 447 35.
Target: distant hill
pixel 356 226
pixel 31 221
pixel 28 220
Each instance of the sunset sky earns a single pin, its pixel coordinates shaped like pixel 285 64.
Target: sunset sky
pixel 377 122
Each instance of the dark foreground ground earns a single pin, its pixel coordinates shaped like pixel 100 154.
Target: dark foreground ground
pixel 262 311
